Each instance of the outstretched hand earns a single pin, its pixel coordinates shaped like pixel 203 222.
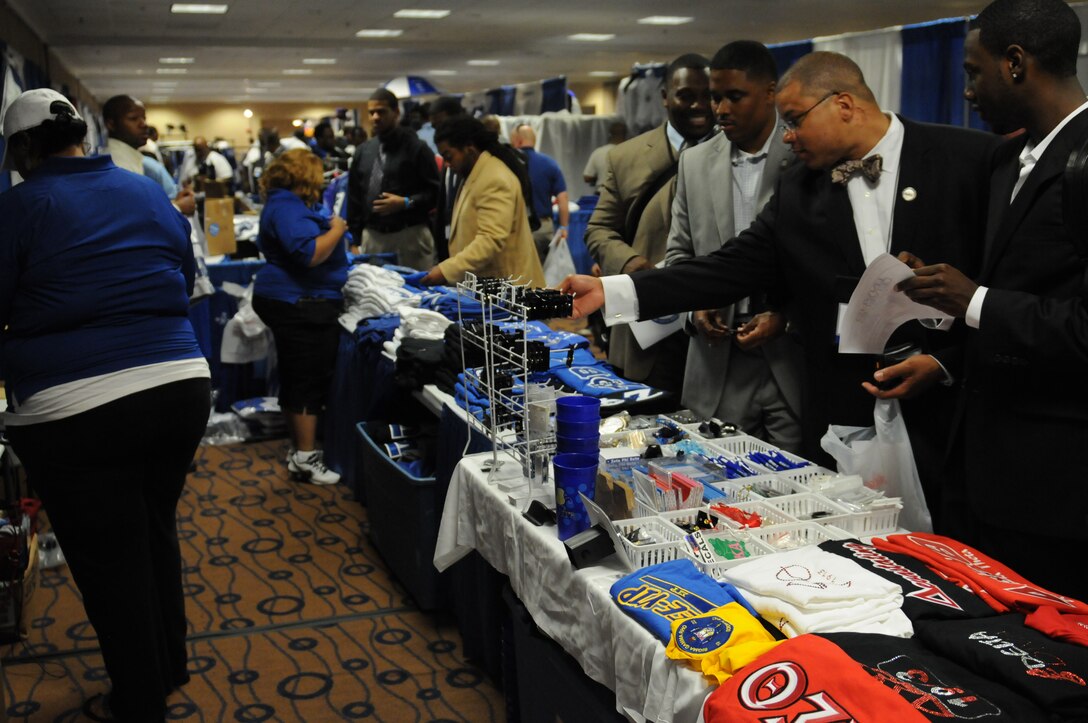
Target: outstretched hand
pixel 941 286
pixel 915 374
pixel 588 294
pixel 760 329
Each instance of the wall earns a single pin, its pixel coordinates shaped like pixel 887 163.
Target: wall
pixel 596 98
pixel 219 120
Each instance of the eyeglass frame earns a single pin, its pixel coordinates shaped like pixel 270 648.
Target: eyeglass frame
pixel 792 125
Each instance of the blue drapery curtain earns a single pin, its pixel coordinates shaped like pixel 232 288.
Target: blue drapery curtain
pixel 553 94
pixel 786 54
pixel 933 76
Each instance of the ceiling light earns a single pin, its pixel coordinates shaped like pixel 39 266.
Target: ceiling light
pixel 441 72
pixel 664 20
pixel 377 33
pixel 298 71
pixel 421 14
pixel 319 61
pixel 176 61
pixel 269 83
pixel 247 113
pixel 171 71
pixel 602 73
pixel 198 9
pixel 256 90
pixel 592 37
pixel 158 99
pixel 164 83
pixel 297 122
pixel 483 62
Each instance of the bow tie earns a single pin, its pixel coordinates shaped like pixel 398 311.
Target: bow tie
pixel 868 167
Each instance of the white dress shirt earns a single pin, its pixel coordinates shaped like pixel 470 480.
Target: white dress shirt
pixel 874 202
pixel 1028 158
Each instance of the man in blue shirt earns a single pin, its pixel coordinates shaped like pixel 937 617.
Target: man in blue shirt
pixel 548 183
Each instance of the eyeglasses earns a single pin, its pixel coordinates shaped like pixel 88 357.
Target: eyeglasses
pixel 790 125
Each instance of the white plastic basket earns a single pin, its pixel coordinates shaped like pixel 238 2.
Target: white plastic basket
pixel 861 524
pixel 754 547
pixel 736 491
pixel 680 518
pixel 669 547
pixel 771 515
pixel 789 537
pixel 770 486
pixel 803 506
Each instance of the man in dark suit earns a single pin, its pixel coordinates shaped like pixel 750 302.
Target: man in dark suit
pixel 740 366
pixel 931 193
pixel 1022 421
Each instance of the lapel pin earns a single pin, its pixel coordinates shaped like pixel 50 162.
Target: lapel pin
pixel 909 194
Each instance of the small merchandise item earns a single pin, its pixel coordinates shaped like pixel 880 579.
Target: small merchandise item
pixel 658 595
pixel 806 679
pixel 719 642
pixel 742 518
pixel 1070 627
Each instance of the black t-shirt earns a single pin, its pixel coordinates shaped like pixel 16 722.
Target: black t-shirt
pixel 926 595
pixel 936 687
pixel 1051 673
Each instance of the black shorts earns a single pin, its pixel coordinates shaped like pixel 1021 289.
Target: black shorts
pixel 307 337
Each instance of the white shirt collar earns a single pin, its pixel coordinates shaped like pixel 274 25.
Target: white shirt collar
pixel 1032 153
pixel 890 146
pixel 762 152
pixel 677 140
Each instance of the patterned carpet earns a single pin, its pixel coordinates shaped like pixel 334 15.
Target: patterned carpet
pixel 292 616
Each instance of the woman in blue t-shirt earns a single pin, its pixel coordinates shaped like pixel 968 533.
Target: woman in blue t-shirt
pixel 108 392
pixel 298 295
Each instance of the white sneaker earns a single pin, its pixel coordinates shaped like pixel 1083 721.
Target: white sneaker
pixel 311 466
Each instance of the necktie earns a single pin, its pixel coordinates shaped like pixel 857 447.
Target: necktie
pixel 868 167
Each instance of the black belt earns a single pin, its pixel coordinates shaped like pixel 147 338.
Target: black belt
pixel 393 226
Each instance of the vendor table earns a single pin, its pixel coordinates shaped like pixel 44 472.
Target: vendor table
pixel 572 607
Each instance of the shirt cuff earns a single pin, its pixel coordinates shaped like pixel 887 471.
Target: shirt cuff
pixel 974 310
pixel 948 380
pixel 620 300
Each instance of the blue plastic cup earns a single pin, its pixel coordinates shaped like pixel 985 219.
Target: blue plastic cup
pixel 574 474
pixel 577 409
pixel 567 428
pixel 578 445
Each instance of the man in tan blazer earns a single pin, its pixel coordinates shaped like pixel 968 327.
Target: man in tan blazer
pixel 630 225
pixel 489 232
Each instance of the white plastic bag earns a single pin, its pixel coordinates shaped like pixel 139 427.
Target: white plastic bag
pixel 883 457
pixel 246 339
pixel 558 264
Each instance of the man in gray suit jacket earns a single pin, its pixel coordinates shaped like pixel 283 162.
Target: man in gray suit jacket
pixel 741 367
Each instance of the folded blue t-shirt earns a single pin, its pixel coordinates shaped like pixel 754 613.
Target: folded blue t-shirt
pixel 676 590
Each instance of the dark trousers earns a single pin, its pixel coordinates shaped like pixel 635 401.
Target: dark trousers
pixel 110 479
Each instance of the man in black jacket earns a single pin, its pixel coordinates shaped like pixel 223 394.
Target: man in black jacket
pixel 392 188
pixel 1022 422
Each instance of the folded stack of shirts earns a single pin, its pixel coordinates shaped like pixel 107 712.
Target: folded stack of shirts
pixel 810 591
pixel 373 291
pixel 445 300
pixel 417 324
pixel 418 361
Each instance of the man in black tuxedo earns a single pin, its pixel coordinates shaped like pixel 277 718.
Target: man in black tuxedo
pixel 1022 421
pixel 930 193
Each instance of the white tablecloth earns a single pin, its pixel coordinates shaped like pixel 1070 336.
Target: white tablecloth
pixel 573 607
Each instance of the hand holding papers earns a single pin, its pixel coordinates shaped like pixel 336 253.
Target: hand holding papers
pixel 876 309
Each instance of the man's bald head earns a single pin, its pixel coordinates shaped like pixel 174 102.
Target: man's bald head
pixel 822 72
pixel 523 136
pixel 200 146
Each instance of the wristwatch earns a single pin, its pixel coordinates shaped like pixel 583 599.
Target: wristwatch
pixel 407 202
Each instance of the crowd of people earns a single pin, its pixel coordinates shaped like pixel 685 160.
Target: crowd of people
pixel 752 210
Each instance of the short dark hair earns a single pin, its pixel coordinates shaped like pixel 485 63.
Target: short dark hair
pixel 1049 30
pixel 52 136
pixel 386 96
pixel 748 56
pixel 687 60
pixel 463 131
pixel 117 106
pixel 447 104
pixel 321 128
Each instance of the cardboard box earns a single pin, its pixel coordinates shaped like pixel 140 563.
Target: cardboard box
pixel 219 225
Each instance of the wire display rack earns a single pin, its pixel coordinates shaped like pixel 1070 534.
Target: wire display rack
pixel 514 424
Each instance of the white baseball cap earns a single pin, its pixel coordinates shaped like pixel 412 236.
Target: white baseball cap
pixel 30 109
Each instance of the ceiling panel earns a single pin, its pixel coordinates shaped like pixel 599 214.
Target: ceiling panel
pixel 114 46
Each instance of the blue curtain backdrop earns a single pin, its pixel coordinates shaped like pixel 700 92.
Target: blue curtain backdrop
pixel 553 94
pixel 933 72
pixel 786 54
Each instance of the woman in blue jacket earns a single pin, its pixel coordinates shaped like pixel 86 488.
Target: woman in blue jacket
pixel 298 295
pixel 108 393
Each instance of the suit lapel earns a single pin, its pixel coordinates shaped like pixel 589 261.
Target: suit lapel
pixel 1001 185
pixel 464 192
pixel 1052 164
pixel 779 158
pixel 721 190
pixel 839 221
pixel 914 173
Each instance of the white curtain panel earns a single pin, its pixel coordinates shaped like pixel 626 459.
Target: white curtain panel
pixel 879 54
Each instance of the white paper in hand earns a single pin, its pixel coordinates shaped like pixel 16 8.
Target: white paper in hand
pixel 876 309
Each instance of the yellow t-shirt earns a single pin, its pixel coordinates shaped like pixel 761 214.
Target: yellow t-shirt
pixel 719 642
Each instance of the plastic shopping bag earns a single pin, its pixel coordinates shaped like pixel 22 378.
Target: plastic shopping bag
pixel 883 457
pixel 246 339
pixel 558 264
